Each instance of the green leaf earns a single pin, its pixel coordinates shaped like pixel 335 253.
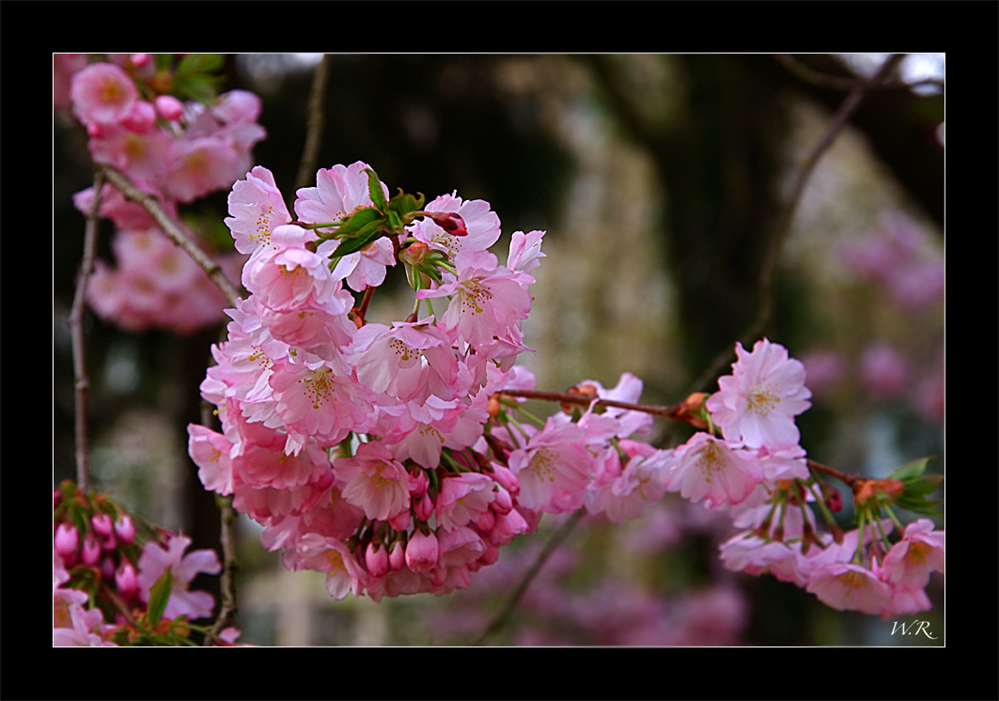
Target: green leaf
pixel 364 238
pixel 911 470
pixel 375 190
pixel 404 203
pixel 200 63
pixel 354 223
pixel 159 595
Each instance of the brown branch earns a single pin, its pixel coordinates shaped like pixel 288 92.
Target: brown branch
pixel 82 383
pixel 317 119
pixel 674 411
pixel 172 230
pixel 229 566
pixel 848 479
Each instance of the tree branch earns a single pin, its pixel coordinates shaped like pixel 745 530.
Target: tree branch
pixel 172 230
pixel 317 120
pixel 82 383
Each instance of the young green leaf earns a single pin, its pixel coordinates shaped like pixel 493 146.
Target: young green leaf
pixel 375 190
pixel 159 595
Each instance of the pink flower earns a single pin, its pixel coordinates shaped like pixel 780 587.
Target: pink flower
pixel 911 560
pixel 256 208
pixel 210 452
pixel 409 361
pixel 553 469
pixel 288 276
pixel 757 404
pixel 708 468
pixel 844 586
pixel 482 226
pixel 464 498
pixel 157 560
pixel 338 192
pixel 487 300
pixel 366 268
pixel 525 251
pixel 373 481
pixel 314 402
pixel 102 93
pixel 344 574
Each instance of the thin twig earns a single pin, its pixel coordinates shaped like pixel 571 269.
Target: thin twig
pixel 557 538
pixel 81 382
pixel 172 230
pixel 316 124
pixel 673 411
pixel 229 565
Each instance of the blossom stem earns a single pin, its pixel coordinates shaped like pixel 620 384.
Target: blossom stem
pixel 674 411
pixel 849 479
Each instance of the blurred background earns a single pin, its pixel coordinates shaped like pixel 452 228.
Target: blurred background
pixel 660 180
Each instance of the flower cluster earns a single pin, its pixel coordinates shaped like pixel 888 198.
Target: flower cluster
pixel 177 151
pixel 758 472
pixel 398 457
pixel 117 581
pixel 380 453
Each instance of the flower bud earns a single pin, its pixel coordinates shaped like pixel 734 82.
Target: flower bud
pixel 424 508
pixel 451 222
pixel 422 552
pixel 102 524
pixel 127 581
pixel 91 551
pixel 107 567
pixel 125 529
pixel 401 521
pixel 141 119
pixel 503 501
pixel 397 556
pixel 377 560
pixel 169 107
pixel 413 253
pixel 67 541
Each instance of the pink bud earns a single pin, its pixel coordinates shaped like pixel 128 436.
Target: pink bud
pixel 141 119
pixel 169 107
pixel 102 524
pixel 505 477
pixel 397 556
pixel 127 581
pixel 401 521
pixel 451 222
pixel 418 484
pixel 67 541
pixel 107 567
pixel 125 529
pixel 91 551
pixel 422 552
pixel 139 59
pixel 376 558
pixel 503 501
pixel 424 508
